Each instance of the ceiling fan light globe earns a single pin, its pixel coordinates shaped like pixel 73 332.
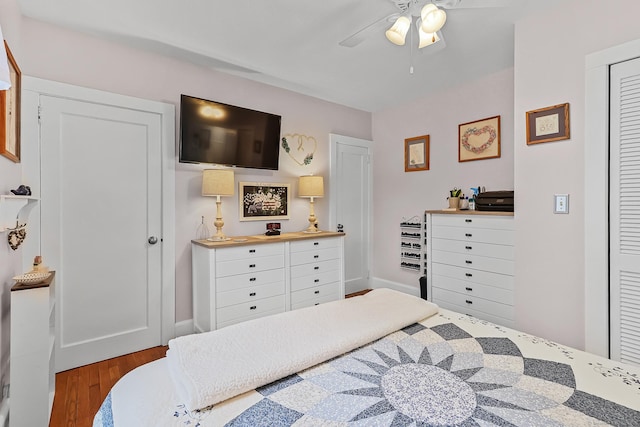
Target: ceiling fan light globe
pixel 427 39
pixel 433 19
pixel 398 32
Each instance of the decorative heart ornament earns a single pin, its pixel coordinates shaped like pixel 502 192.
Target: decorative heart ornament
pixel 300 148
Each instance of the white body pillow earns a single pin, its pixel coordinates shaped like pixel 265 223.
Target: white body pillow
pixel 214 366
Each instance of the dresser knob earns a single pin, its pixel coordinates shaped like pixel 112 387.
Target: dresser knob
pixel 252 279
pixel 316 281
pixel 253 307
pixel 252 266
pixel 469 262
pixel 469 289
pixel 316 268
pixel 468 220
pixel 316 292
pixel 316 243
pixel 316 256
pixel 252 251
pixel 253 294
pixel 468 274
pixel 468 234
pixel 468 247
pixel 469 301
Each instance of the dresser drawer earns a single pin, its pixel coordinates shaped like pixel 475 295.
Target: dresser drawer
pixel 314 279
pixel 249 251
pixel 471 289
pixel 311 244
pixel 470 275
pixel 314 268
pixel 475 262
pixel 474 248
pixel 474 221
pixel 242 266
pixel 316 293
pixel 243 281
pixel 226 316
pixel 468 234
pixel 314 255
pixel 253 293
pixel 467 302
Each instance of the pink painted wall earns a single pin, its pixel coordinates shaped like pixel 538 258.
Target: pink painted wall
pixel 53 53
pixel 549 70
pixel 399 194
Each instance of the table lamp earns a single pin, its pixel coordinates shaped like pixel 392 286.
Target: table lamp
pixel 218 182
pixel 311 186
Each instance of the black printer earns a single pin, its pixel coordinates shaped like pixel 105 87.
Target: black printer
pixel 501 201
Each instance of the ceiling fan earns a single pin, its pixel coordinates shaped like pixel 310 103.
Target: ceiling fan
pixel 429 17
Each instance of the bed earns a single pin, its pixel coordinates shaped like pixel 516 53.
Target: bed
pixel 439 369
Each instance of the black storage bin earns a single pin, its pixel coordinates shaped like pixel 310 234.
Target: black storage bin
pixel 500 201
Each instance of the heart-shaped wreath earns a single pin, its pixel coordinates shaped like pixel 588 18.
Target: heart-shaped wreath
pixel 305 145
pixel 477 132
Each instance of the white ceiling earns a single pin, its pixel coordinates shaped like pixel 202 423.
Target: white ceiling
pixel 293 44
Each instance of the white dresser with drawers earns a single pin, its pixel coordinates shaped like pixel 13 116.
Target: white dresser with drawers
pixel 254 276
pixel 470 263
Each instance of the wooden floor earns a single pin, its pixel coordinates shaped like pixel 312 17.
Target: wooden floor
pixel 80 391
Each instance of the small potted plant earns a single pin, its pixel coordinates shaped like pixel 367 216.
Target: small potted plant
pixel 454 198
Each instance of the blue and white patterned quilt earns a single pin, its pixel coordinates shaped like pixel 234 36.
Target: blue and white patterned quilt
pixel 449 370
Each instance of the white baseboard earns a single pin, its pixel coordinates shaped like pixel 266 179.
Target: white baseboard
pixel 377 283
pixel 183 328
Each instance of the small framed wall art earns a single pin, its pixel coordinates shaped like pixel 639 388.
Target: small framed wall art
pixel 479 140
pixel 416 154
pixel 548 124
pixel 10 112
pixel 260 201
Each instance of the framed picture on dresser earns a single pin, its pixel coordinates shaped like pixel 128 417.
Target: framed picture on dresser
pixel 264 201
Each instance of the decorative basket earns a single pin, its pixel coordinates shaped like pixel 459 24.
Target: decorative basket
pixel 31 278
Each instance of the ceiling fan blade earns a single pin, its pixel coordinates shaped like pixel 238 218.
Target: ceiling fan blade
pixel 471 4
pixel 362 34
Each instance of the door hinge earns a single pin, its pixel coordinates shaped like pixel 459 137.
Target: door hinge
pixel 39 113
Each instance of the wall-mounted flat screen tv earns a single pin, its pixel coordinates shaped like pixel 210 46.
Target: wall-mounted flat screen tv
pixel 213 132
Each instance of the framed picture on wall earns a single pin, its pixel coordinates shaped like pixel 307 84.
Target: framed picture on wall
pixel 479 140
pixel 548 124
pixel 10 112
pixel 416 154
pixel 260 201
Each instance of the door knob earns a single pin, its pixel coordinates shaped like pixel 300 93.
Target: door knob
pixel 153 240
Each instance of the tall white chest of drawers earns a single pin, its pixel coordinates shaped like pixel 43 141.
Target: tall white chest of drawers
pixel 470 263
pixel 255 276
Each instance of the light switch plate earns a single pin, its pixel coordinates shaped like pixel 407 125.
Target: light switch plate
pixel 561 203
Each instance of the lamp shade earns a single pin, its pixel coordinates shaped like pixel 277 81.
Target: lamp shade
pixel 311 186
pixel 433 19
pixel 398 31
pixel 5 77
pixel 217 182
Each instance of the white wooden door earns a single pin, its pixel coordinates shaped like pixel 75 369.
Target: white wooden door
pixel 625 212
pixel 101 168
pixel 351 196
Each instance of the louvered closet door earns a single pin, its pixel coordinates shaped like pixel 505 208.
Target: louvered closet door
pixel 624 208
